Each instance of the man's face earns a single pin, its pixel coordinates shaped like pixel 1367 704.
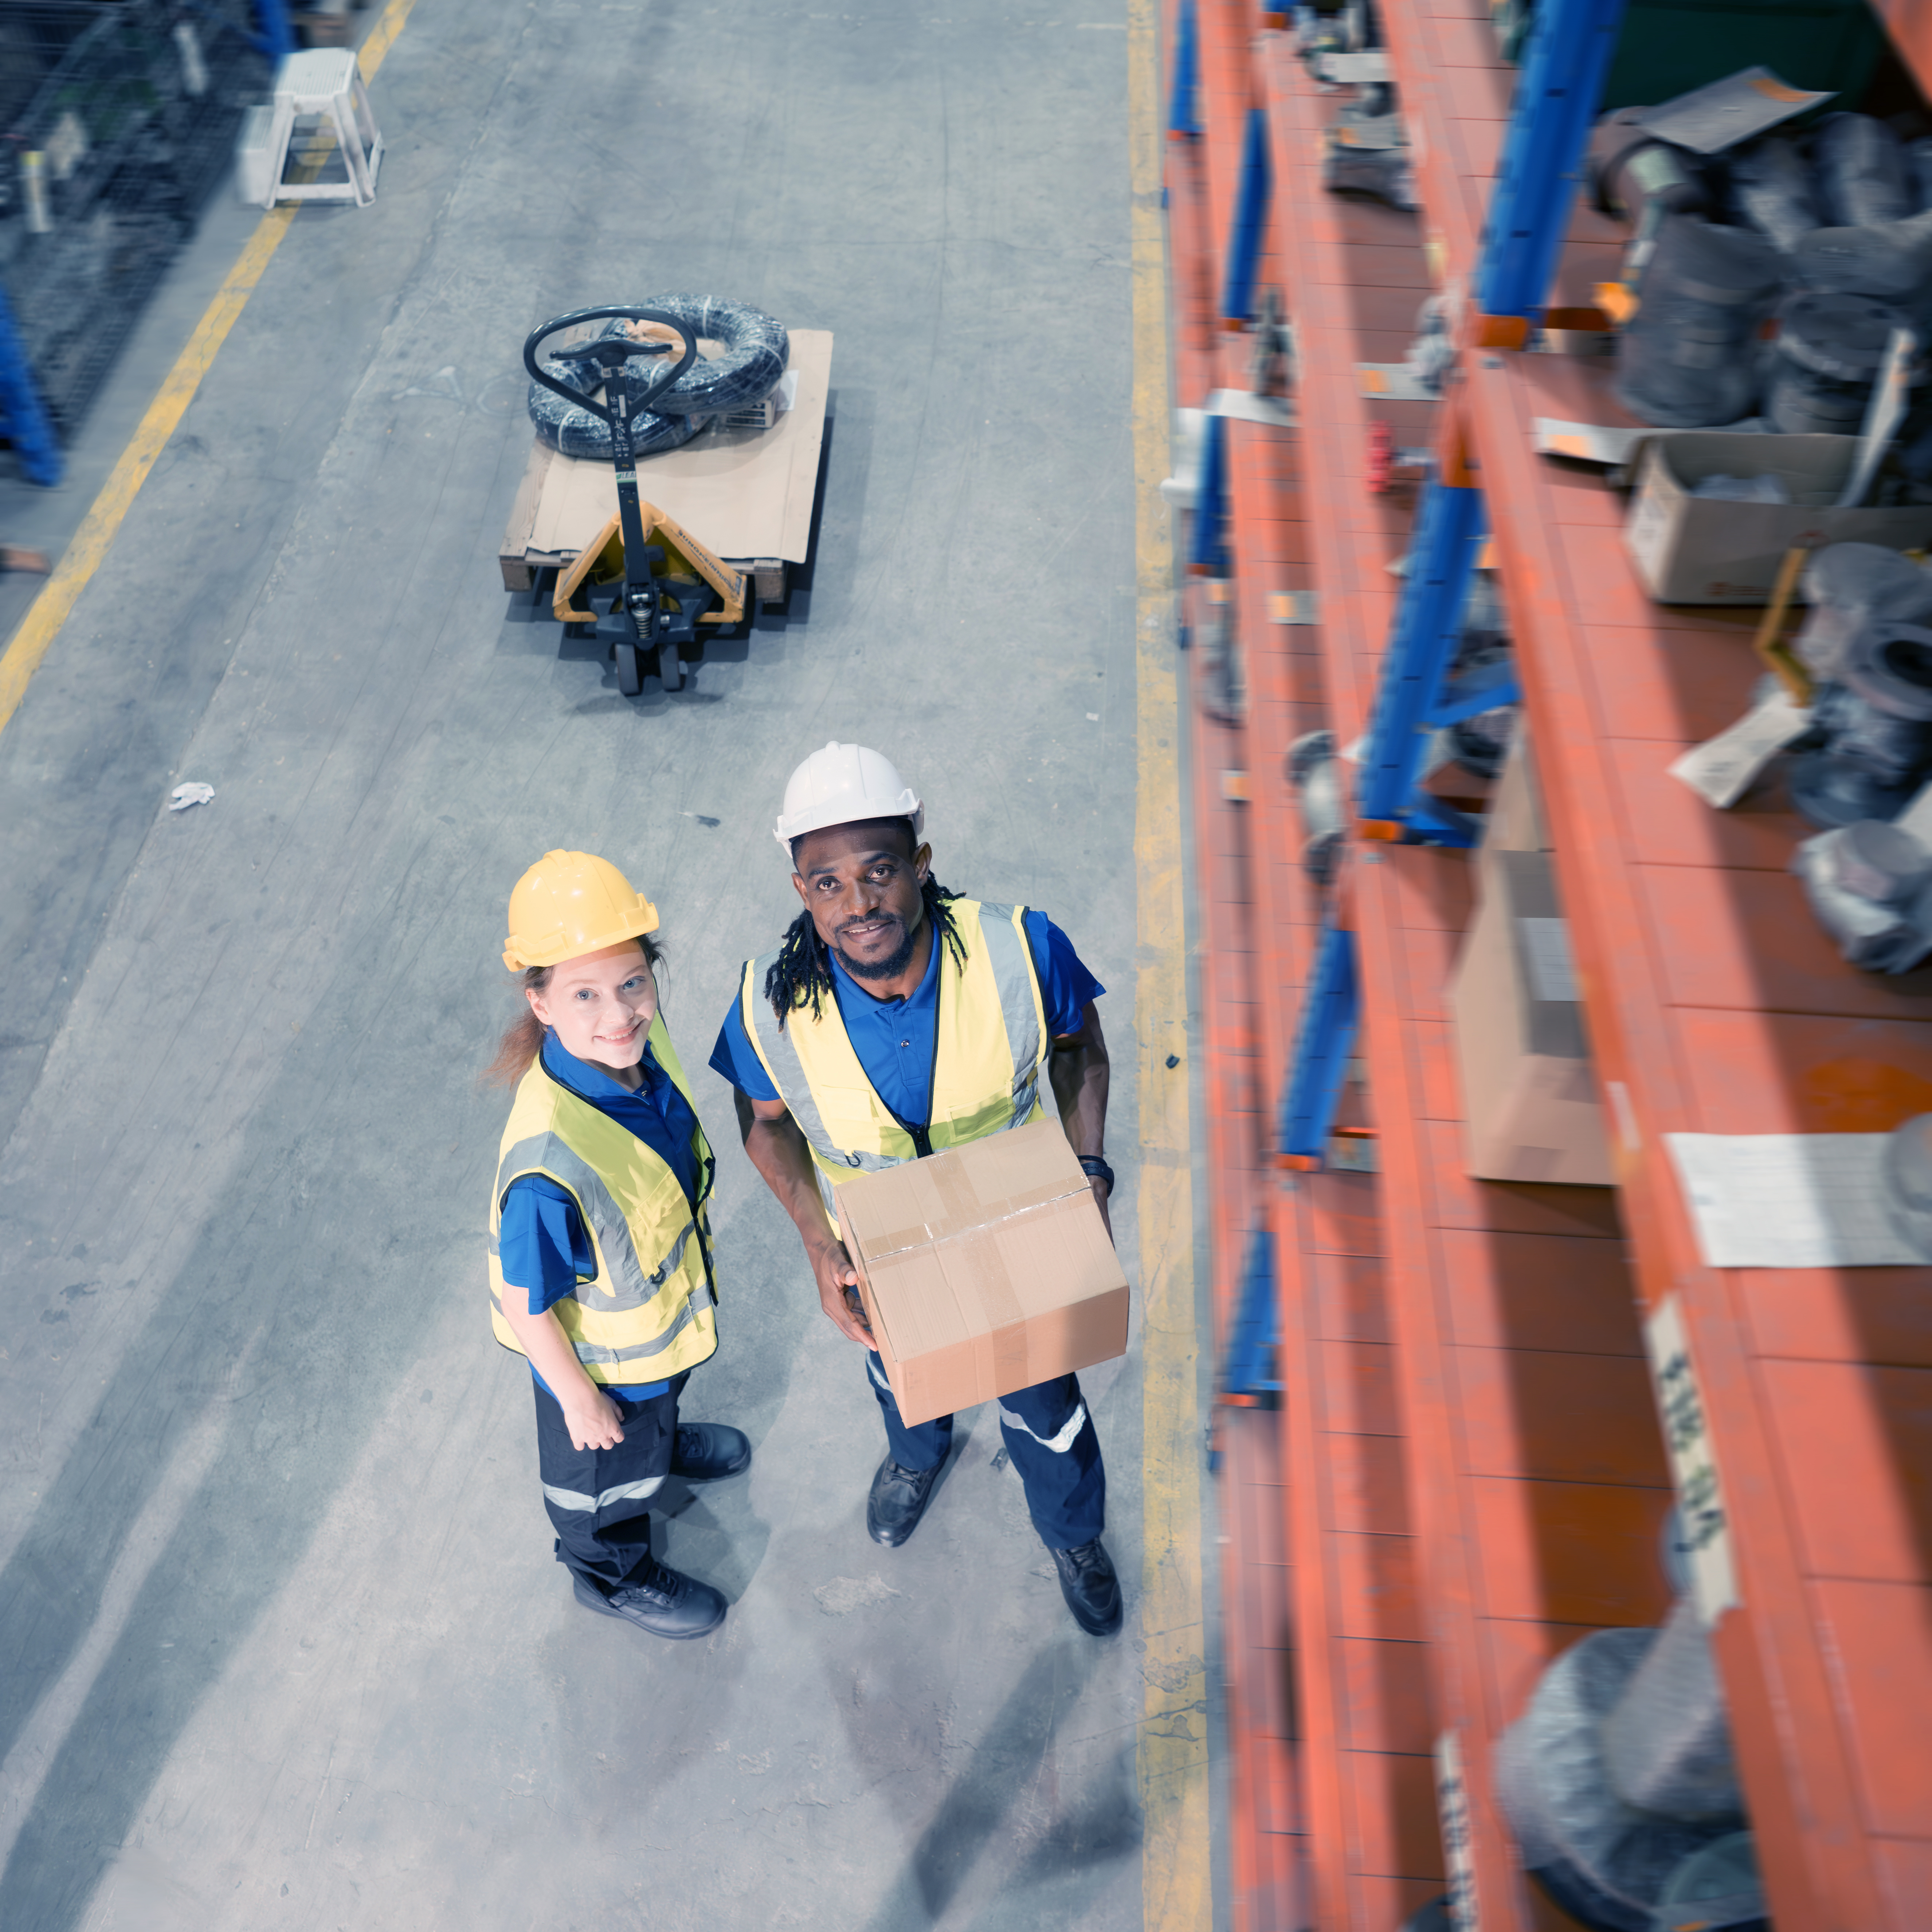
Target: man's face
pixel 861 884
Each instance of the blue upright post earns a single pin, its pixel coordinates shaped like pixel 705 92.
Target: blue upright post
pixel 24 415
pixel 1250 1372
pixel 1251 207
pixel 277 38
pixel 1428 627
pixel 1207 554
pixel 1324 1042
pixel 1556 98
pixel 1183 121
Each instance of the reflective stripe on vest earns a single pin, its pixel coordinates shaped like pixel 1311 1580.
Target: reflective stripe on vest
pixel 629 1322
pixel 992 1044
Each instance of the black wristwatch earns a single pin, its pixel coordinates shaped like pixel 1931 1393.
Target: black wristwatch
pixel 1097 1169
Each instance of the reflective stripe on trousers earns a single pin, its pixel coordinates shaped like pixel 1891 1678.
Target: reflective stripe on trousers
pixel 1050 1438
pixel 583 1501
pixel 598 1500
pixel 1059 1444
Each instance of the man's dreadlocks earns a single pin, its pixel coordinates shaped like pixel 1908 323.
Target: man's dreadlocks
pixel 802 973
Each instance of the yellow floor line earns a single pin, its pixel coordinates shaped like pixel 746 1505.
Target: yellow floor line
pixel 91 542
pixel 1177 1886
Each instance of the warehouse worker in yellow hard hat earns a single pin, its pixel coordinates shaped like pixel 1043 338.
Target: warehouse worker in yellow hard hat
pixel 600 1250
pixel 895 1019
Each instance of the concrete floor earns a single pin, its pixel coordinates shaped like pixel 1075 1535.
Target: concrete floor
pixel 284 1642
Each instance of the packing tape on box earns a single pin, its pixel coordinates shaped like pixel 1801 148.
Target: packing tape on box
pixel 1003 1351
pixel 959 1201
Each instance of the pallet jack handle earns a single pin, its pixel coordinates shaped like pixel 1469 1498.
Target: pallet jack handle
pixel 610 353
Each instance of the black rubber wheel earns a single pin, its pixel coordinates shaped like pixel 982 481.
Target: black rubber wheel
pixel 671 667
pixel 630 670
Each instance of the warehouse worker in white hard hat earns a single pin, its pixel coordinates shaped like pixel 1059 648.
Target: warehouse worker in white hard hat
pixel 600 1248
pixel 895 1019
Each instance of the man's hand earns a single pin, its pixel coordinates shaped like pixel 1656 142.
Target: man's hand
pixel 838 1291
pixel 1101 1191
pixel 592 1419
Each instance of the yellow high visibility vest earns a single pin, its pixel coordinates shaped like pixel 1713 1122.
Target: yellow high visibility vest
pixel 646 1313
pixel 992 1049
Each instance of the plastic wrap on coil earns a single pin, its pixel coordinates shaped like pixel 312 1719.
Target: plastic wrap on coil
pixel 1686 360
pixel 1772 190
pixel 1604 1861
pixel 756 349
pixel 1828 354
pixel 1667 1744
pixel 1918 153
pixel 1891 260
pixel 1870 883
pixel 1847 586
pixel 1863 174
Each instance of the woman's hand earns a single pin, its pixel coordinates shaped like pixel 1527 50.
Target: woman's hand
pixel 838 1282
pixel 592 1418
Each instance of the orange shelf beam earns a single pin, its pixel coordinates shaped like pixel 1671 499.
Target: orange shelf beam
pixel 1535 1512
pixel 1717 1006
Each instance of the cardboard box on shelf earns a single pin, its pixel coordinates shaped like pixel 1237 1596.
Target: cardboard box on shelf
pixel 1692 550
pixel 984 1270
pixel 1530 1103
pixel 1514 822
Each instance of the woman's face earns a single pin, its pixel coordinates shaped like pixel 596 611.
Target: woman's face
pixel 601 1004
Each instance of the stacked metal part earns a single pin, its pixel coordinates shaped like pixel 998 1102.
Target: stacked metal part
pixel 1620 1773
pixel 1480 742
pixel 1367 152
pixel 1226 696
pixel 1871 885
pixel 1828 353
pixel 1687 359
pixel 1831 226
pixel 1315 775
pixel 1867 644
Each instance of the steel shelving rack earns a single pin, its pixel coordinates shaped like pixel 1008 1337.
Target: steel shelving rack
pixel 1466 1471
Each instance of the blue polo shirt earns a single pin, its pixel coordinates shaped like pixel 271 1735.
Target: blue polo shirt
pixel 895 1039
pixel 542 1240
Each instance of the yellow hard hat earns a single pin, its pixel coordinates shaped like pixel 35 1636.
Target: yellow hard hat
pixel 569 904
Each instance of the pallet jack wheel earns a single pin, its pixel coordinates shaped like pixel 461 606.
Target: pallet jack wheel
pixel 671 667
pixel 630 670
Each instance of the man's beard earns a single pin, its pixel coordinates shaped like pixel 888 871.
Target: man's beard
pixel 890 968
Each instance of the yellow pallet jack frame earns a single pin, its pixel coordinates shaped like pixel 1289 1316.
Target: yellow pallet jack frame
pixel 602 561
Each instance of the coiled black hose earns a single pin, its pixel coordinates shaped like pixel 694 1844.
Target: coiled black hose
pixel 756 349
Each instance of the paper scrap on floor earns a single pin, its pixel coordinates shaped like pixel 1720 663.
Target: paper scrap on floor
pixel 1786 1201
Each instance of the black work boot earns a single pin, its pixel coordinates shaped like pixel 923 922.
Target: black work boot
pixel 1092 1591
pixel 658 1600
pixel 706 1451
pixel 898 1501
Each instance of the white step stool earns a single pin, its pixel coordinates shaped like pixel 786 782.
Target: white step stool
pixel 326 81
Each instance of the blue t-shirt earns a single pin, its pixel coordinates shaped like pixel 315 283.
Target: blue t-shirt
pixel 895 1039
pixel 542 1240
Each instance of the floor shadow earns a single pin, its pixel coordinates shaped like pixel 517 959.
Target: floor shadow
pixel 978 1802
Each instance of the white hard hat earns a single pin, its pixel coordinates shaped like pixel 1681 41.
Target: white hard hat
pixel 841 784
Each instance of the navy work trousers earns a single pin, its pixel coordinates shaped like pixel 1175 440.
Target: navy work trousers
pixel 599 1500
pixel 1051 1438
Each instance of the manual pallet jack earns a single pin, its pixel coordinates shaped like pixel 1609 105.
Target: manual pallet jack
pixel 660 592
